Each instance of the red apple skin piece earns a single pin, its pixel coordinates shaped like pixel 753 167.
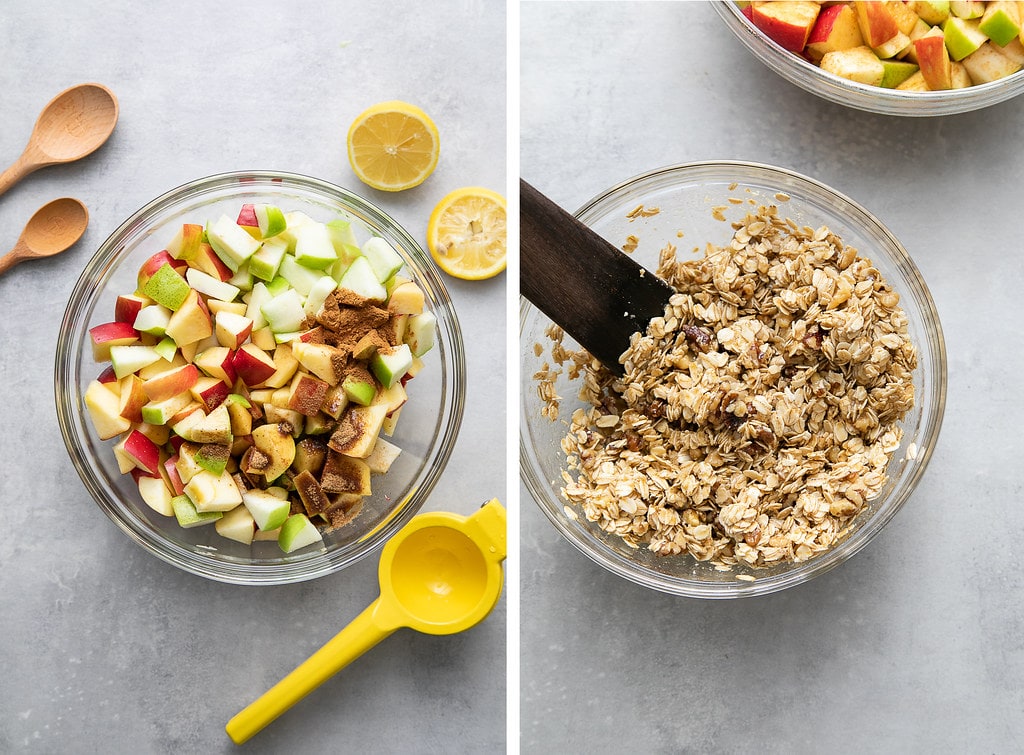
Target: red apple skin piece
pixel 137 473
pixel 109 334
pixel 127 306
pixel 247 216
pixel 154 263
pixel 144 452
pixel 933 60
pixel 133 398
pixel 253 365
pixel 171 383
pixel 835 29
pixel 211 391
pixel 172 473
pixel 188 244
pixel 107 375
pixel 788 24
pixel 218 362
pixel 207 261
pixel 877 24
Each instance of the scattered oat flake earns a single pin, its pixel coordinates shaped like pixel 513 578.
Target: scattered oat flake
pixel 718 213
pixel 782 196
pixel 632 242
pixel 732 186
pixel 642 212
pixel 746 577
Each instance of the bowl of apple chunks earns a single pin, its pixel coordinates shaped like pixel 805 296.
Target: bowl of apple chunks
pixel 914 58
pixel 249 375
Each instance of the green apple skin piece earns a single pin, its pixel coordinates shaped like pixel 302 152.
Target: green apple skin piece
pixel 268 510
pixel 420 333
pixel 284 313
pixel 318 294
pixel 299 277
pixel 896 72
pixel 160 412
pixel 270 219
pixel 858 64
pixel 278 285
pixel 231 242
pixel 298 532
pixel 243 279
pixel 210 286
pixel 932 12
pixel 1000 22
pixel 166 348
pixel 361 280
pixel 236 525
pixel 265 263
pixel 152 319
pixel 167 287
pixel 359 391
pixel 383 258
pixel 259 296
pixel 187 515
pixel 313 247
pixel 962 36
pixel 128 359
pixel 344 239
pixel 389 367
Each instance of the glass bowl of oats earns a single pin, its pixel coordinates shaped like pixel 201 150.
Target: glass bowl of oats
pixel 773 421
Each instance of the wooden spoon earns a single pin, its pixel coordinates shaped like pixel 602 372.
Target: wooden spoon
pixel 596 293
pixel 51 230
pixel 72 125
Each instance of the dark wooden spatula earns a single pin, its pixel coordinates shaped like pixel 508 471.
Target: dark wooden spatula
pixel 596 293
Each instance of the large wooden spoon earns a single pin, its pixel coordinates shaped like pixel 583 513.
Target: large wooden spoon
pixel 52 229
pixel 596 293
pixel 73 124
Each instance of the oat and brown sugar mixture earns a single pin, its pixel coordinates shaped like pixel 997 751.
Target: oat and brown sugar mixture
pixel 755 419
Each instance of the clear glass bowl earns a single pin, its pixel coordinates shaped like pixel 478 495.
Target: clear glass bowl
pixel 426 433
pixel 808 76
pixel 685 196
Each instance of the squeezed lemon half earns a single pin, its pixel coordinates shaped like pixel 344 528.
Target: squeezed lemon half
pixel 466 233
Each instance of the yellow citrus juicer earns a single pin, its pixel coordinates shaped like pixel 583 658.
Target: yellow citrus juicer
pixel 440 574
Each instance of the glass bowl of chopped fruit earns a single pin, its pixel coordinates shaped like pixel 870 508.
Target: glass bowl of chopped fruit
pixel 259 377
pixel 772 422
pixel 907 58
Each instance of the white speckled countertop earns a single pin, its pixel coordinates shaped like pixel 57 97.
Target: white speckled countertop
pixel 106 648
pixel 915 645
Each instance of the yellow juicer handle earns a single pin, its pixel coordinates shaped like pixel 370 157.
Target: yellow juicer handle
pixel 365 631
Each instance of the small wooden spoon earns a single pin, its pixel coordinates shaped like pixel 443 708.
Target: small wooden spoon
pixel 596 293
pixel 54 228
pixel 73 124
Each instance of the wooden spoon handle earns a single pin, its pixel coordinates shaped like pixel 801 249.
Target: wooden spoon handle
pixel 596 293
pixel 21 168
pixel 9 260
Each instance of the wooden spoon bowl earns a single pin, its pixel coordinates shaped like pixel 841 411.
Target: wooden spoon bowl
pixel 73 124
pixel 54 228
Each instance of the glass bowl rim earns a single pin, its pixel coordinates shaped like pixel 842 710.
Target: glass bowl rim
pixel 302 567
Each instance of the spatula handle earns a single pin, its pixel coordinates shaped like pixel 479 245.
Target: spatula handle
pixel 596 293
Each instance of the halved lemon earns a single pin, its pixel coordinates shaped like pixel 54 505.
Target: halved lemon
pixel 466 233
pixel 393 146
